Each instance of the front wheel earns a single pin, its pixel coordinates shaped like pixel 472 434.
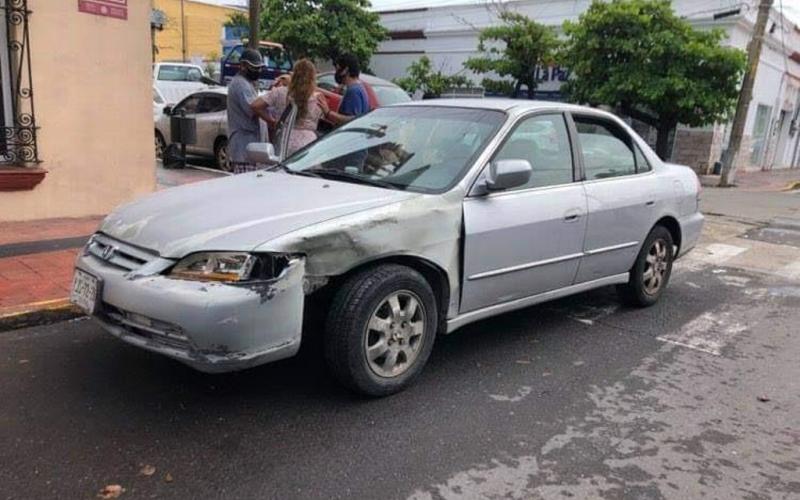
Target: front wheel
pixel 650 274
pixel 380 330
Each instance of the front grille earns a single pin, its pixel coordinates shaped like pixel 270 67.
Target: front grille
pixel 158 331
pixel 118 253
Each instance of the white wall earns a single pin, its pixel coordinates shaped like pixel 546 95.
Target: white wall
pixel 451 36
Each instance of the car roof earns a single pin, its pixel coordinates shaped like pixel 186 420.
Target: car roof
pixel 514 106
pixel 371 80
pixel 375 81
pixel 182 64
pixel 211 89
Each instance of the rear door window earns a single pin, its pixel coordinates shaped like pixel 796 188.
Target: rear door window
pixel 212 103
pixel 188 105
pixel 608 151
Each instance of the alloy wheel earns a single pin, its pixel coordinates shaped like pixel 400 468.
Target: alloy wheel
pixel 395 334
pixel 656 266
pixel 222 158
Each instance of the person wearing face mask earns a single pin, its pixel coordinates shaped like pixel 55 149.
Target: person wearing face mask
pixel 244 111
pixel 355 101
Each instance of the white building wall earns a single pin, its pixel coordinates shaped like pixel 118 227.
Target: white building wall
pixel 451 36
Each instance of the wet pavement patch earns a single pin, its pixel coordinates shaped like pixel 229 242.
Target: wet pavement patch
pixel 782 231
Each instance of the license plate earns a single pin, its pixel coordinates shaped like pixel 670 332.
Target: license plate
pixel 85 288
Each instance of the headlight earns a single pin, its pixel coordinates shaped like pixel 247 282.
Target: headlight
pixel 229 266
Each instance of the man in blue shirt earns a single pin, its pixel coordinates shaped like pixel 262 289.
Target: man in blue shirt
pixel 355 101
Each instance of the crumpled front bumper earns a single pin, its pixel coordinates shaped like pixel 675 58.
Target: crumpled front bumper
pixel 212 327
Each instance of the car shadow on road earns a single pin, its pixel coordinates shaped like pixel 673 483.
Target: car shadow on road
pixel 538 339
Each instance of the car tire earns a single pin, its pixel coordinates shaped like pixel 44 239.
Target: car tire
pixel 380 330
pixel 160 144
pixel 221 155
pixel 651 271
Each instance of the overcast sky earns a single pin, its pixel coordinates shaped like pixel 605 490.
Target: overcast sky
pixel 791 7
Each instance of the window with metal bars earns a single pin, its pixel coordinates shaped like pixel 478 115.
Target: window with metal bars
pixel 17 118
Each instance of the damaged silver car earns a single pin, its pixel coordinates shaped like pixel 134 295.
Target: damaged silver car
pixel 402 225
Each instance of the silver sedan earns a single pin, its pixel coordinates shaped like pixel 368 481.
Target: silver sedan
pixel 400 226
pixel 209 109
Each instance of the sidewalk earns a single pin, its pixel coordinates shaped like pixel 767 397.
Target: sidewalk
pixel 764 180
pixel 36 259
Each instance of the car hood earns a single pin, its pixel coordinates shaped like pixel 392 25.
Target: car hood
pixel 238 213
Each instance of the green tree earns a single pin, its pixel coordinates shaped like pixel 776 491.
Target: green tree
pixel 323 29
pixel 421 76
pixel 514 49
pixel 237 20
pixel 640 58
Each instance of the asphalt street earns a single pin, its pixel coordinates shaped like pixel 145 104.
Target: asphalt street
pixel 698 396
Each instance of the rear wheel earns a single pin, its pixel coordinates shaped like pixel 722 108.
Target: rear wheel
pixel 380 330
pixel 221 155
pixel 651 272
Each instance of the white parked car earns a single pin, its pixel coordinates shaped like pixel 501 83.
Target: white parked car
pixel 177 80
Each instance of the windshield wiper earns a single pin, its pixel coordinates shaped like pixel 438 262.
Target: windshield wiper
pixel 281 166
pixel 373 132
pixel 330 173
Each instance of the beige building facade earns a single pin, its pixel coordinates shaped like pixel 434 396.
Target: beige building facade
pixel 78 122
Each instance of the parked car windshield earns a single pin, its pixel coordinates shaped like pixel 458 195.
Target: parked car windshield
pixel 418 148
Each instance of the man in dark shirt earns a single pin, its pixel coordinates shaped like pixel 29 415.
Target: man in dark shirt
pixel 355 101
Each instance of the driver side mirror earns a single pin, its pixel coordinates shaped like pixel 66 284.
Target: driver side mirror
pixel 507 174
pixel 167 110
pixel 262 153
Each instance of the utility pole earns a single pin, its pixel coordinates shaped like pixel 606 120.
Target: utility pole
pixel 183 34
pixel 255 13
pixel 745 95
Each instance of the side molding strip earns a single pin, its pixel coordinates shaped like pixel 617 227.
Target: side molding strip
pixel 496 309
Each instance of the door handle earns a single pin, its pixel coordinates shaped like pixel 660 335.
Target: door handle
pixel 650 203
pixel 572 216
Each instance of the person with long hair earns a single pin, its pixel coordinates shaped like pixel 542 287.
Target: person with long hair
pixel 302 91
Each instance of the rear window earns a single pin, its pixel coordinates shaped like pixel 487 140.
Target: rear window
pixel 172 73
pixel 275 58
pixel 387 95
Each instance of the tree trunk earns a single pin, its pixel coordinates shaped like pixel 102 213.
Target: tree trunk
pixel 745 95
pixel 531 90
pixel 516 88
pixel 662 139
pixel 255 24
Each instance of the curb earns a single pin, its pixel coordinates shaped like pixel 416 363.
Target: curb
pixel 39 313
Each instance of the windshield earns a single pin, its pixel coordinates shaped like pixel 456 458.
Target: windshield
pixel 418 148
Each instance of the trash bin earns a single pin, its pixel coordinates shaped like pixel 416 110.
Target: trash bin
pixel 183 131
